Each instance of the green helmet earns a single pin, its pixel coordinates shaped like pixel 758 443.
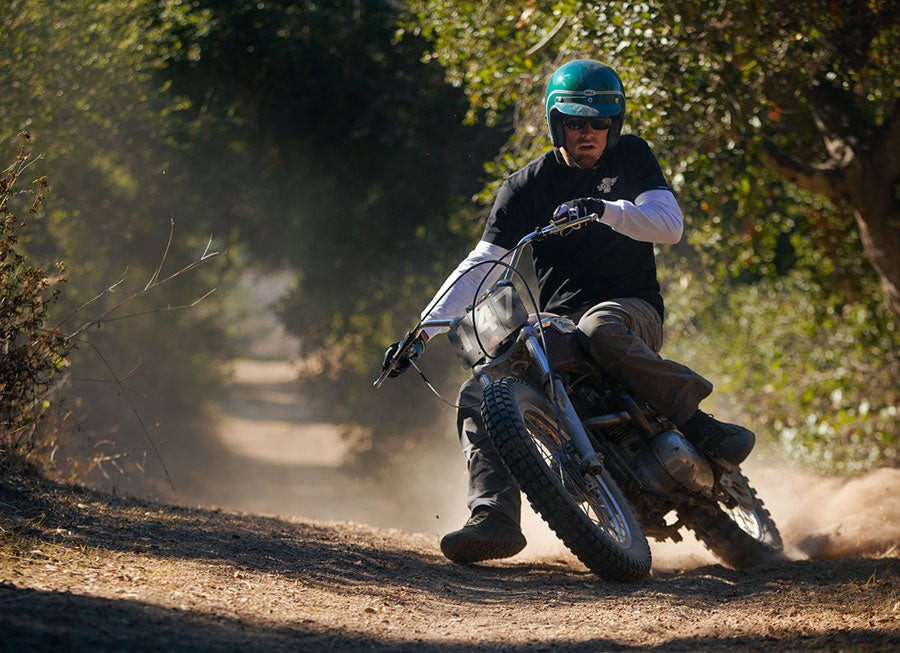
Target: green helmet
pixel 584 88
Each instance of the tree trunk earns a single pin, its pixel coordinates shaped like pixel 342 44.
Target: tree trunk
pixel 870 187
pixel 877 212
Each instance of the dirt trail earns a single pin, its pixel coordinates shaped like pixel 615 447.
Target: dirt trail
pixel 82 570
pixel 274 458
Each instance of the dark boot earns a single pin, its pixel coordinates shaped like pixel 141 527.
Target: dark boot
pixel 729 442
pixel 487 535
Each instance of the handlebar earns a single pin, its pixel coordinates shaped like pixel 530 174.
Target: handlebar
pixel 554 227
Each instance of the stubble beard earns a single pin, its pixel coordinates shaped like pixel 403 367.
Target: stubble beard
pixel 580 159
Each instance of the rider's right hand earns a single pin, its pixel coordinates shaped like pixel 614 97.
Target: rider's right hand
pixel 403 364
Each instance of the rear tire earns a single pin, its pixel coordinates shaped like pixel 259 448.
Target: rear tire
pixel 588 513
pixel 740 535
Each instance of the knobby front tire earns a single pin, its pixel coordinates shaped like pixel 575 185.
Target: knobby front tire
pixel 588 513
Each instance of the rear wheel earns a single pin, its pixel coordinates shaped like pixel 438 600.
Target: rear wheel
pixel 587 512
pixel 737 529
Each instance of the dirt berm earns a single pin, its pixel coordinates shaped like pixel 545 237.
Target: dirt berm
pixel 87 571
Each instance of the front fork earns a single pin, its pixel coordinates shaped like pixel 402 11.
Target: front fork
pixel 591 461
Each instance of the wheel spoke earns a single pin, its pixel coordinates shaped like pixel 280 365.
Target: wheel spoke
pixel 590 515
pixel 747 520
pixel 590 493
pixel 740 506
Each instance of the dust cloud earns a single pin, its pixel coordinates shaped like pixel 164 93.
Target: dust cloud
pixel 822 518
pixel 819 517
pixel 273 457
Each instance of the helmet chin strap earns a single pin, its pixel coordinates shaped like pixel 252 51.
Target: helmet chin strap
pixel 566 157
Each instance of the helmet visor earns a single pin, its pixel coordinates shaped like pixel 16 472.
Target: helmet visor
pixel 589 104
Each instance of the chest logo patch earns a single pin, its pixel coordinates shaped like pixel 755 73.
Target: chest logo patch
pixel 606 184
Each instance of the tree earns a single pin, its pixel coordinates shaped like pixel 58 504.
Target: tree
pixel 82 78
pixel 807 90
pixel 300 133
pixel 778 127
pixel 342 156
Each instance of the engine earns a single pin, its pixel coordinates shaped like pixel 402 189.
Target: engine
pixel 670 463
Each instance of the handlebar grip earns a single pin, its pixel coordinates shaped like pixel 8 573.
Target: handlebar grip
pixel 407 343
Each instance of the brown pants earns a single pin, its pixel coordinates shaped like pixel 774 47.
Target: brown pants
pixel 624 336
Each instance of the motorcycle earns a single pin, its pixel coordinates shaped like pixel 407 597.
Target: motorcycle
pixel 603 469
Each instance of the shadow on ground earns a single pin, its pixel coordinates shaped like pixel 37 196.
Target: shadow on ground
pixel 34 620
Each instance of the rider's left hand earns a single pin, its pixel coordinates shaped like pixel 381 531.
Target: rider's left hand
pixel 578 208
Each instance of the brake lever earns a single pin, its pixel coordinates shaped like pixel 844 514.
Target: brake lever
pixel 562 224
pixel 407 343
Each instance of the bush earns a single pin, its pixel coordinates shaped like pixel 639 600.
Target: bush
pixel 32 355
pixel 817 377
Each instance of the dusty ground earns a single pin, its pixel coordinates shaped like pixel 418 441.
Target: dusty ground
pixel 85 570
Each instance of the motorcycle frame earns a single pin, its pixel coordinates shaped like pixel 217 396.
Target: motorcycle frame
pixel 530 338
pixel 554 227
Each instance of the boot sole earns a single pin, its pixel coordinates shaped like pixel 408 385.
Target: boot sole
pixel 471 549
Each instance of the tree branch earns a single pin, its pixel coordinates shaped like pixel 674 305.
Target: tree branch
pixel 137 415
pixel 152 283
pixel 823 180
pixel 544 42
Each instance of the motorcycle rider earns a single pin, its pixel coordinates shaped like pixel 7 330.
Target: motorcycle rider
pixel 602 276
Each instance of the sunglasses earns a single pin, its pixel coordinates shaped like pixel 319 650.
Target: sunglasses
pixel 597 124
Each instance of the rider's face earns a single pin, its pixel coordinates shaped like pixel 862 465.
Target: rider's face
pixel 584 146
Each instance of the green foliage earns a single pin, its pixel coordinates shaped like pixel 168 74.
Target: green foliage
pixel 33 355
pixel 83 77
pixel 308 135
pixel 350 133
pixel 818 377
pixel 301 133
pixel 341 155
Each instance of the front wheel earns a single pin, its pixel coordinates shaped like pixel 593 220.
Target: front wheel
pixel 739 530
pixel 587 512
